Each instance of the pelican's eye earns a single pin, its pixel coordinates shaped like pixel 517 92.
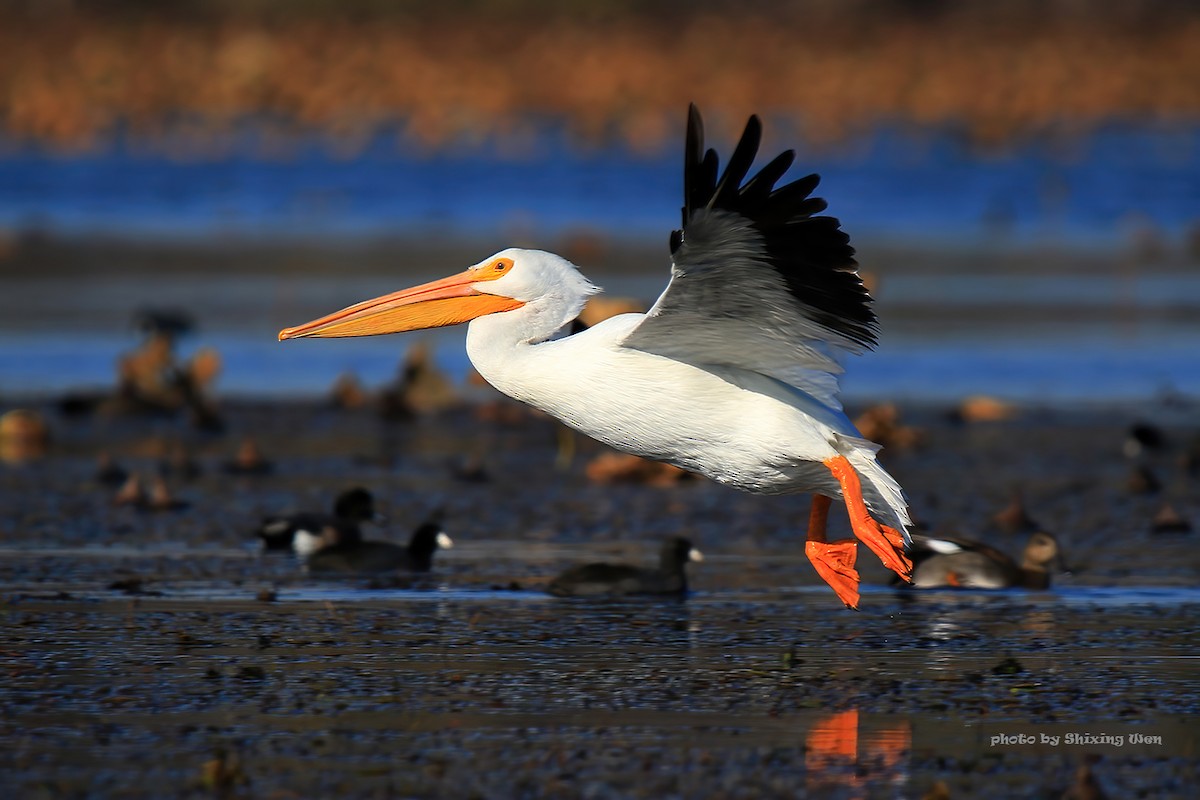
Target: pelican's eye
pixel 491 270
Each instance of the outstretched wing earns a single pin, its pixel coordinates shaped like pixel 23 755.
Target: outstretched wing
pixel 758 281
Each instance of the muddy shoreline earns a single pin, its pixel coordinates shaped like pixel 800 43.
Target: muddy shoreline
pixel 159 654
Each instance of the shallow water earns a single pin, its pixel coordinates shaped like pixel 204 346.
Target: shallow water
pixel 1052 271
pixel 933 186
pixel 143 659
pixel 1026 327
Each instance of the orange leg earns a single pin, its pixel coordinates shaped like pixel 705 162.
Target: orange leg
pixel 834 561
pixel 885 542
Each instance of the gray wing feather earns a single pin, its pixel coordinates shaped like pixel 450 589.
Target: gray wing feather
pixel 758 282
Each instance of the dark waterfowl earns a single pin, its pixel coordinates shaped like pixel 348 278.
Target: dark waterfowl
pixel 331 553
pixel 351 508
pixel 669 577
pixel 941 562
pixel 108 471
pixel 1143 438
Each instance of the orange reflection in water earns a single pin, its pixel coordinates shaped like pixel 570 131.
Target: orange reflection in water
pixel 841 753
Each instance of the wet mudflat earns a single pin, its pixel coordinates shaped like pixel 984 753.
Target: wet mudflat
pixel 151 654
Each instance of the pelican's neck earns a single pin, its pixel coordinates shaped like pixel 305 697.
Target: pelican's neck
pixel 509 348
pixel 555 296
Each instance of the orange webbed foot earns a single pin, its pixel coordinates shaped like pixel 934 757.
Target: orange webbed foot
pixel 834 562
pixel 888 544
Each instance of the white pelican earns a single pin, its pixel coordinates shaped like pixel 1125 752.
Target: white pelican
pixel 731 374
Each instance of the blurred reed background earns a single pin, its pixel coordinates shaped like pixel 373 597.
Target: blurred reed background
pixel 77 74
pixel 1022 178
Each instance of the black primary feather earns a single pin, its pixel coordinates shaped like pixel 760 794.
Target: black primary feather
pixel 811 253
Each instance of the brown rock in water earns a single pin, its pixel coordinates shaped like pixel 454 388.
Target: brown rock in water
pixel 24 435
pixel 881 424
pixel 583 246
pixel 1142 481
pixel 601 308
pixel 939 791
pixel 249 460
pixel 155 498
pixel 984 409
pixel 203 368
pixel 421 388
pixel 503 411
pixel 222 773
pixel 1085 786
pixel 149 380
pixel 348 393
pixel 159 498
pixel 625 468
pixel 146 379
pixel 1168 520
pixel 131 493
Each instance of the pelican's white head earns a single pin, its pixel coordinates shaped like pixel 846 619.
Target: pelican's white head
pixel 537 292
pixel 551 288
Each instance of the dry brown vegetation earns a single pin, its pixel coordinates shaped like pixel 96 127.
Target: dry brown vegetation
pixel 70 78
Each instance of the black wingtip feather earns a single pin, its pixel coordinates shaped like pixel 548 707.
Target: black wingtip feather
pixel 761 185
pixel 811 252
pixel 729 186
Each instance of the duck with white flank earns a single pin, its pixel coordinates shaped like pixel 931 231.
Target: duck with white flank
pixel 352 507
pixel 330 553
pixel 731 374
pixel 945 562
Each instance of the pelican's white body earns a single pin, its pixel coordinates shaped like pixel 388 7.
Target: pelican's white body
pixel 738 427
pixel 733 373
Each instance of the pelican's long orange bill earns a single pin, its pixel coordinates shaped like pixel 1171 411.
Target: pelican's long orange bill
pixel 448 301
